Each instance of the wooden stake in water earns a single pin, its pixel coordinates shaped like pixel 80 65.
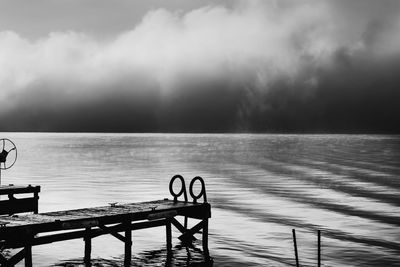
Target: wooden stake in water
pixel 295 247
pixel 319 248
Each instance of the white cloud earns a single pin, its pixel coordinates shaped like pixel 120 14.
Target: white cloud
pixel 254 40
pixel 164 43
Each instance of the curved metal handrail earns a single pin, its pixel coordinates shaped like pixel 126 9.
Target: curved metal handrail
pixel 183 188
pixel 202 192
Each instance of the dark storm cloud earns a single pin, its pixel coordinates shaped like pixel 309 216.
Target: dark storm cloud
pixel 301 66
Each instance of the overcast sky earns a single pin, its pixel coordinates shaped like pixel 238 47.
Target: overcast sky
pixel 200 66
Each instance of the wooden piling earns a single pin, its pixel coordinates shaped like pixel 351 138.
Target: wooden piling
pixel 205 237
pixel 28 256
pixel 128 244
pixel 319 248
pixel 295 248
pixel 36 198
pixel 88 247
pixel 168 233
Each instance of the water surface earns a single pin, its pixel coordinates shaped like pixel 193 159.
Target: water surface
pixel 260 187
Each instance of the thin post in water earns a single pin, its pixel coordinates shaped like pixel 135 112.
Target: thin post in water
pixel 319 248
pixel 295 247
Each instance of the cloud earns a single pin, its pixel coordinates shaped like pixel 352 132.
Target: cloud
pixel 257 66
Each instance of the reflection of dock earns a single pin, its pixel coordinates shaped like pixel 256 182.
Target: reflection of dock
pixel 27 230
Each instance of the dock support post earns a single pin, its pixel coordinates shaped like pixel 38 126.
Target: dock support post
pixel 205 238
pixel 128 244
pixel 168 233
pixel 36 197
pixel 88 247
pixel 28 256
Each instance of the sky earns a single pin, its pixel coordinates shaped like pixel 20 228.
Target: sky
pixel 301 66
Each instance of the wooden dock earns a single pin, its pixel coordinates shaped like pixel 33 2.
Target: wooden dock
pixel 15 204
pixel 28 230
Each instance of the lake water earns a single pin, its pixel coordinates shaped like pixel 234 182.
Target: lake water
pixel 260 188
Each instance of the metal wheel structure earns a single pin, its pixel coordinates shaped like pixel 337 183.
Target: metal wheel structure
pixel 8 154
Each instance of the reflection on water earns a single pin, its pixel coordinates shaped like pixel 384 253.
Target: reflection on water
pixel 182 256
pixel 259 186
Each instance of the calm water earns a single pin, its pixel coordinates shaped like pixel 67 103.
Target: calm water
pixel 259 186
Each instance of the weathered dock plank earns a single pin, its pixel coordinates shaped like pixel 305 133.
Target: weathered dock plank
pixel 71 219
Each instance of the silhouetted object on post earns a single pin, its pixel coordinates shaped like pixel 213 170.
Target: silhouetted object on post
pixel 5 161
pixel 3 156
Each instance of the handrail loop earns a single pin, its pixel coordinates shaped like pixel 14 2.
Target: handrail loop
pixel 202 192
pixel 182 191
